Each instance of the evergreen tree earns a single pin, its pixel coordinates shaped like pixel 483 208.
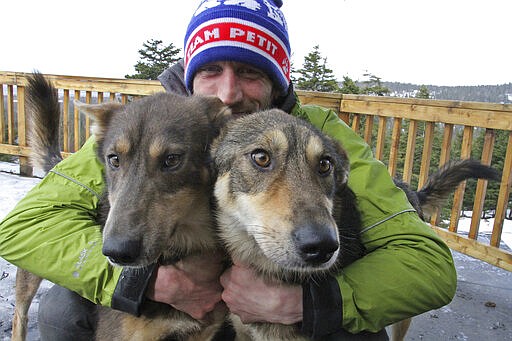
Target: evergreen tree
pixel 423 92
pixel 348 86
pixel 315 75
pixel 293 72
pixel 373 86
pixel 154 58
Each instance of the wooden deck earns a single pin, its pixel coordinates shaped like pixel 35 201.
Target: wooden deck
pixel 402 133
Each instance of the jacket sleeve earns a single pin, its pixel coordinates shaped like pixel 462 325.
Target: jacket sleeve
pixel 52 232
pixel 408 269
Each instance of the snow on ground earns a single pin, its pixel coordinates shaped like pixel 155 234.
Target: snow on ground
pixel 485 229
pixel 14 187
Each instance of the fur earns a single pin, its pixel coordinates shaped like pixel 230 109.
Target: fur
pixel 284 207
pixel 444 181
pixel 283 204
pixel 157 201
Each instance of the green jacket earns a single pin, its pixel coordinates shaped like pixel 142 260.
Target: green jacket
pixel 408 269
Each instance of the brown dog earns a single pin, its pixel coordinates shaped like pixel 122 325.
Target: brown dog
pixel 283 204
pixel 284 207
pixel 157 202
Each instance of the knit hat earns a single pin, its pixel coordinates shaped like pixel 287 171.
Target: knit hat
pixel 251 31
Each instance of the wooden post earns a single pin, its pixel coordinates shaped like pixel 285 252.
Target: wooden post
pixel 25 167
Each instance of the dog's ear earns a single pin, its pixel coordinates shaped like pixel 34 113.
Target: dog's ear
pixel 218 112
pixel 101 115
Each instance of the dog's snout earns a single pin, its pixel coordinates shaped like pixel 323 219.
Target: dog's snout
pixel 317 244
pixel 121 250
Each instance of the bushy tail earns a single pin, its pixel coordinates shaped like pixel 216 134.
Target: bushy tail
pixel 43 115
pixel 443 182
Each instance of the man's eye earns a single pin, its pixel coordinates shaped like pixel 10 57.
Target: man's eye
pixel 250 73
pixel 209 70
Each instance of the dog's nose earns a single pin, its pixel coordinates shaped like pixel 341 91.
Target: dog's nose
pixel 317 244
pixel 122 251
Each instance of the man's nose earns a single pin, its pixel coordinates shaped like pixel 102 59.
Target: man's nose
pixel 228 88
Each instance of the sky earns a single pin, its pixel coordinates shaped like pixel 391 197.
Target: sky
pixel 435 42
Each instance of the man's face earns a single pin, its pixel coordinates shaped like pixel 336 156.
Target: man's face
pixel 245 89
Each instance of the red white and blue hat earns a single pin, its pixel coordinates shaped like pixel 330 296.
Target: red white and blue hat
pixel 251 31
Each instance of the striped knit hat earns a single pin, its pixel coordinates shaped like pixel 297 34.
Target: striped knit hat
pixel 251 31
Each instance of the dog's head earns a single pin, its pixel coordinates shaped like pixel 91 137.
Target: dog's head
pixel 155 152
pixel 277 181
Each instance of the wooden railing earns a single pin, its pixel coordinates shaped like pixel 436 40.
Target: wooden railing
pixel 388 124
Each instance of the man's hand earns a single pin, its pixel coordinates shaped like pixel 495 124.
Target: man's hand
pixel 190 285
pixel 254 300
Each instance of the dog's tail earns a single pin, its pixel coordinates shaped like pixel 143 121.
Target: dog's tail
pixel 443 182
pixel 43 115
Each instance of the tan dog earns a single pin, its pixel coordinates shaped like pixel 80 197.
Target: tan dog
pixel 285 209
pixel 157 202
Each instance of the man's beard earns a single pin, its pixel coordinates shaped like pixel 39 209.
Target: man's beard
pixel 242 109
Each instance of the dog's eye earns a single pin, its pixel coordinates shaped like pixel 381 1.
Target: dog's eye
pixel 325 166
pixel 172 161
pixel 261 158
pixel 113 160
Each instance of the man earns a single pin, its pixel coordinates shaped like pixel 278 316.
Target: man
pixel 238 51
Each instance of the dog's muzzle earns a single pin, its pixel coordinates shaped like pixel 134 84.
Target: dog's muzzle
pixel 122 251
pixel 316 244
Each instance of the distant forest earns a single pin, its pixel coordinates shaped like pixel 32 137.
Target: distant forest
pixel 480 93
